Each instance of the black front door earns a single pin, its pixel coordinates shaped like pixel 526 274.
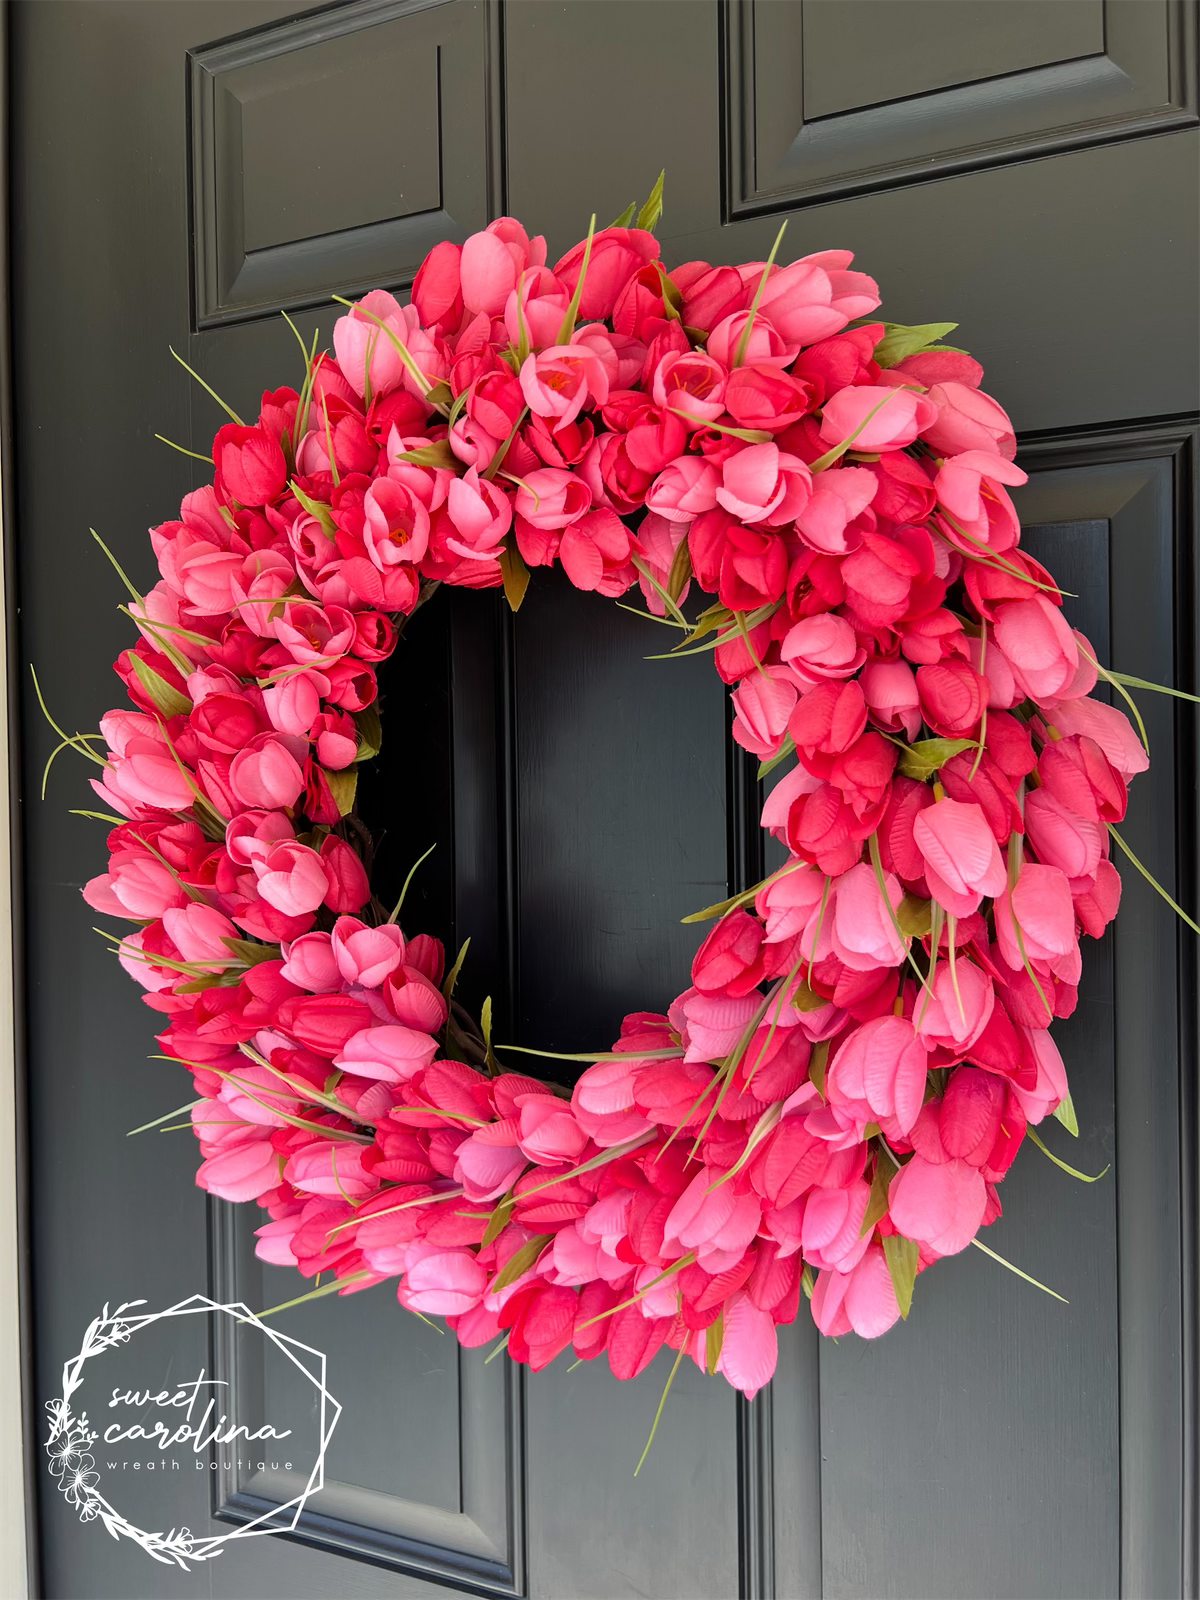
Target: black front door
pixel 182 172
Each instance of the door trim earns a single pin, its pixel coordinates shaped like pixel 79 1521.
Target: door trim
pixel 18 1440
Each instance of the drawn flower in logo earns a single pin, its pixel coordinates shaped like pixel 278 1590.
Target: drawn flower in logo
pixel 79 1484
pixel 69 1452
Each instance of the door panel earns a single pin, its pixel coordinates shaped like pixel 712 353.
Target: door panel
pixel 1031 170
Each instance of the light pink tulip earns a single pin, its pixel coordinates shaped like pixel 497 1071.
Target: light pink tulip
pixel 292 878
pixel 962 861
pixel 838 497
pixel 832 1233
pixel 939 1204
pixel 1108 726
pixel 488 1162
pixel 879 1073
pixel 1038 644
pixel 890 690
pixel 684 489
pixel 266 774
pixel 550 1135
pixel 309 963
pixel 864 935
pixel 874 417
pixel 330 1167
pixel 824 646
pixel 749 1349
pixel 391 1054
pixel 1040 905
pixel 862 1301
pixel 240 1171
pixel 762 704
pixel 366 955
pixel 440 1282
pixel 1050 1090
pixel 764 484
pixel 959 1008
pixel 1061 837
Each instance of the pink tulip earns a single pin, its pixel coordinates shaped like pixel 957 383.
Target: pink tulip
pixel 762 704
pixel 604 1106
pixel 310 964
pixel 684 489
pixel 240 1172
pixel 764 484
pixel 959 1008
pixel 550 1135
pixel 962 862
pixel 396 525
pixel 1040 906
pixel 292 878
pixel 489 1160
pixel 879 1073
pixel 199 933
pixel 832 1230
pixel 550 498
pixel 442 1283
pixel 558 382
pixel 1050 1089
pixel 790 901
pixel 690 383
pixel 359 338
pixel 874 418
pixel 1062 838
pixel 864 934
pixel 1040 647
pixel 968 419
pixel 717 1223
pixel 492 261
pixel 822 646
pixel 939 1204
pixel 266 773
pixel 862 1301
pixel 1107 726
pixel 838 497
pixel 391 1054
pixel 481 514
pixel 366 955
pixel 964 480
pixel 349 889
pixel 713 1023
pixel 890 688
pixel 749 1349
pixel 329 1167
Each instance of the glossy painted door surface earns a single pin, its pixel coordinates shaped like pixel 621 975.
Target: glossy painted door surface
pixel 183 172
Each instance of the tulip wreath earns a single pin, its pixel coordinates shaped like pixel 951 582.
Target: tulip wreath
pixel 831 1104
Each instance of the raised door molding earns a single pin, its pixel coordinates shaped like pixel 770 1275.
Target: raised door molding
pixel 829 98
pixel 330 152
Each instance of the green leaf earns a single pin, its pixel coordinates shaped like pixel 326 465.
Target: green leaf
pixel 807 1282
pixel 515 575
pixel 714 1338
pixel 805 999
pixel 625 220
pixel 251 952
pixel 743 342
pixel 927 756
pixel 1065 1113
pixel 1059 1162
pixel 315 508
pixel 1053 1293
pixel 651 212
pixel 370 733
pixel 485 1027
pixel 816 1066
pixel 901 1256
pixel 786 749
pixel 1152 881
pixel 915 916
pixel 520 1261
pixel 899 342
pixel 452 975
pixel 722 906
pixel 412 872
pixel 567 326
pixel 166 698
pixel 342 786
pixel 877 1202
pixel 499 1219
pixel 438 454
pixel 681 570
pixel 661 1407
